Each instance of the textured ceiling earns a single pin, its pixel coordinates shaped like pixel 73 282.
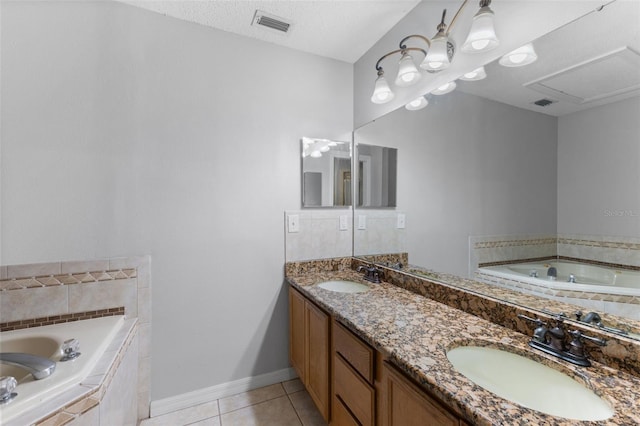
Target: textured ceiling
pixel 339 29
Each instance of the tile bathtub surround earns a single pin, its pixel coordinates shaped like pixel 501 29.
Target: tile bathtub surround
pixel 611 251
pixel 59 319
pixel 415 332
pixel 95 392
pixel 58 289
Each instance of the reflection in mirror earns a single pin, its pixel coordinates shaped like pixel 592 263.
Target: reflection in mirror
pixel 326 173
pixel 540 203
pixel 376 182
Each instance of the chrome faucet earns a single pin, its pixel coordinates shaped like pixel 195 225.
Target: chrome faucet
pixel 533 273
pixel 38 366
pixel 572 278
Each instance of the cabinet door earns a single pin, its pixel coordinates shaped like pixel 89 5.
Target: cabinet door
pixel 317 366
pixel 407 405
pixel 297 332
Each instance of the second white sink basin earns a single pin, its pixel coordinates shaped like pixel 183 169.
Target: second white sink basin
pixel 344 286
pixel 528 383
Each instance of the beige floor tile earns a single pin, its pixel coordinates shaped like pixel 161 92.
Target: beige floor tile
pixel 275 412
pixel 185 416
pixel 306 409
pixel 212 421
pixel 246 399
pixel 292 386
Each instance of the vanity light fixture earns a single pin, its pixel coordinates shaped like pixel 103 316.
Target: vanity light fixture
pixel 417 104
pixel 522 56
pixel 445 88
pixel 475 75
pixel 408 74
pixel 439 51
pixel 382 92
pixel 482 35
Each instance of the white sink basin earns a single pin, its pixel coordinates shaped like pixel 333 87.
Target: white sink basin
pixel 528 383
pixel 344 286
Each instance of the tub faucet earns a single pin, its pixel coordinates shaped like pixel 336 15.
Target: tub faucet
pixel 38 366
pixel 533 273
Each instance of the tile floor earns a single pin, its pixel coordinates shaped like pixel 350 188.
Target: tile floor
pixel 282 404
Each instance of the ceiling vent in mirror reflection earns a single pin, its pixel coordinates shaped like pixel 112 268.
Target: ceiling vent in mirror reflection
pixel 544 102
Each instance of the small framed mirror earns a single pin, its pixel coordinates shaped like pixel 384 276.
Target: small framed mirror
pixel 326 173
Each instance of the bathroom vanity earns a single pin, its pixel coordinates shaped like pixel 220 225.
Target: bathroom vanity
pixel 379 357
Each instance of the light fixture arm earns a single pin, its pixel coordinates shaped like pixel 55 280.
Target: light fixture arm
pixel 455 17
pixel 421 37
pixel 378 67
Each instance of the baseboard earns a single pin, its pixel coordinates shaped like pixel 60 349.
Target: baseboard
pixel 200 396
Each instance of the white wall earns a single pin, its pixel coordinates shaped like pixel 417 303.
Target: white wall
pixel 126 132
pixel 468 166
pixel 599 171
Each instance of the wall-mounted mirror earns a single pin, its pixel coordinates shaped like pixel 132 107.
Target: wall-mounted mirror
pixel 326 173
pixel 490 175
pixel 376 176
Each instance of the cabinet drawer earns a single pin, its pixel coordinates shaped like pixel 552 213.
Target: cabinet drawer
pixel 354 350
pixel 340 415
pixel 354 391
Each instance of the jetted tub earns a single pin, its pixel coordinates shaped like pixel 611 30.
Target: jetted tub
pixel 94 337
pixel 588 278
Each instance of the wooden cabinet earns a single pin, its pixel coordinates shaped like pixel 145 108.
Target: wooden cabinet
pixel 405 404
pixel 309 348
pixel 350 383
pixel 353 390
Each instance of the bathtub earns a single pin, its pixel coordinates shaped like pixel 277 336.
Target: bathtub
pixel 588 278
pixel 94 336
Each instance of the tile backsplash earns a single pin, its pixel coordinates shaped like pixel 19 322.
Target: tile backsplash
pixel 319 235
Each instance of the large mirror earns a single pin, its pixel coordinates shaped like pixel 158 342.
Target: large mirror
pixel 326 173
pixel 531 164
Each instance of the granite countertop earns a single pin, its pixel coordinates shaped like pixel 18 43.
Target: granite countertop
pixel 415 333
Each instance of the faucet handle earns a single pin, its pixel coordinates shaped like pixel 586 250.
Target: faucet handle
pixel 71 349
pixel 7 386
pixel 577 334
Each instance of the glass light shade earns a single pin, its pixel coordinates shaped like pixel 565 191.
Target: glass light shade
pixel 477 74
pixel 482 35
pixel 437 58
pixel 445 88
pixel 408 74
pixel 520 57
pixel 417 104
pixel 381 92
pixel 316 154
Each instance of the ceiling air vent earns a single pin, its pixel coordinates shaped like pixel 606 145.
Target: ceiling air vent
pixel 270 21
pixel 544 102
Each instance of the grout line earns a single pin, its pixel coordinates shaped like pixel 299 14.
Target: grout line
pixel 295 410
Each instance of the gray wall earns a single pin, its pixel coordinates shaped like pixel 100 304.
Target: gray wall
pixel 599 171
pixel 126 132
pixel 468 166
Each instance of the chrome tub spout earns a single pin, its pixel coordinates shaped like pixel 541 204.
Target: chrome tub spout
pixel 38 366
